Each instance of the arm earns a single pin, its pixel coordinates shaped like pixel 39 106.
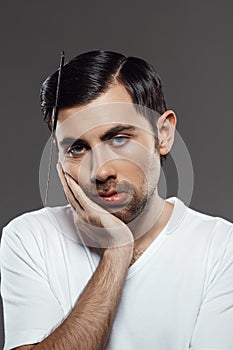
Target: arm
pixel 213 328
pixel 89 324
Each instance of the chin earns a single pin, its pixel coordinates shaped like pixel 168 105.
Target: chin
pixel 126 215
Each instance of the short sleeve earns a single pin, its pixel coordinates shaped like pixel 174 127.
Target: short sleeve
pixel 30 309
pixel 214 326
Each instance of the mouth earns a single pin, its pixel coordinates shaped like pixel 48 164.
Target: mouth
pixel 113 198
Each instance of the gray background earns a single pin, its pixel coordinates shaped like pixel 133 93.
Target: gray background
pixel 190 44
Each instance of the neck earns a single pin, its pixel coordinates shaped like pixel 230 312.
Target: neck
pixel 154 217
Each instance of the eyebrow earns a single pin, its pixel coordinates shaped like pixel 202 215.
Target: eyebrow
pixel 106 136
pixel 116 130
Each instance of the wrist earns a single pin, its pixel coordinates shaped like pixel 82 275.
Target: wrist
pixel 122 254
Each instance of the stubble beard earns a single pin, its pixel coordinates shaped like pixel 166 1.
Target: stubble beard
pixel 139 202
pixel 141 196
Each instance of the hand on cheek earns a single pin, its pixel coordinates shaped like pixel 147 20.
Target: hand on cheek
pixel 98 227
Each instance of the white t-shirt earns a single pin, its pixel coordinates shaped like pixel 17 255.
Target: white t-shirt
pixel 178 295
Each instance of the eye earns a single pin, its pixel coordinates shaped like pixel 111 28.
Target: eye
pixel 119 141
pixel 76 150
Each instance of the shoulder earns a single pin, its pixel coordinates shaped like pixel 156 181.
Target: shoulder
pixel 41 217
pixel 35 224
pixel 195 221
pixel 206 223
pixel 207 237
pixel 199 232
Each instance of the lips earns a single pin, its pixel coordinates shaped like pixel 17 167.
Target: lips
pixel 107 193
pixel 113 197
pixel 111 194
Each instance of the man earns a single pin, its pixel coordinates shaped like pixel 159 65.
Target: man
pixel 120 267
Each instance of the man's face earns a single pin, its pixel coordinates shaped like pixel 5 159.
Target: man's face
pixel 109 149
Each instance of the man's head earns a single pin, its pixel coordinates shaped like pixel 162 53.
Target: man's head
pixel 111 147
pixel 87 76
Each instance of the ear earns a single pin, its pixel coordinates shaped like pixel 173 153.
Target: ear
pixel 166 126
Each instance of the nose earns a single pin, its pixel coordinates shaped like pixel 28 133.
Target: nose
pixel 102 165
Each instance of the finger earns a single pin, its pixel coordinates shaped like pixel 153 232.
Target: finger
pixel 80 195
pixel 68 192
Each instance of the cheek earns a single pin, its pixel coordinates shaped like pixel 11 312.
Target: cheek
pixel 153 170
pixel 132 172
pixel 145 171
pixel 79 169
pixel 140 158
pixel 70 166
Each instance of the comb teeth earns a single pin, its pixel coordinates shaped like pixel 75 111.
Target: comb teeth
pixel 54 124
pixel 55 109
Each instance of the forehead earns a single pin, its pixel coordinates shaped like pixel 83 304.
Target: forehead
pixel 115 106
pixel 96 119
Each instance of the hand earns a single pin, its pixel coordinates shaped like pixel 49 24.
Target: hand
pixel 98 227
